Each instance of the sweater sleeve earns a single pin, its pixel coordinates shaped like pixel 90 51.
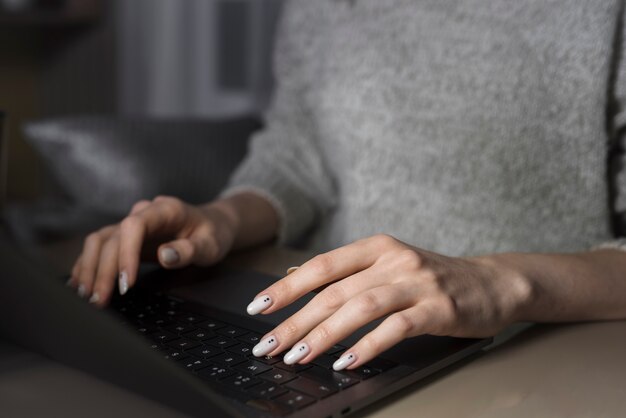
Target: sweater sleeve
pixel 284 163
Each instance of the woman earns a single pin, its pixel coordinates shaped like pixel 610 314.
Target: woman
pixel 474 134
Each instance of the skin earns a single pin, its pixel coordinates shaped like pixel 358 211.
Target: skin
pixel 418 291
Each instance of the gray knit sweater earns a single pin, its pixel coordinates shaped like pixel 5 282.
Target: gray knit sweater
pixel 459 126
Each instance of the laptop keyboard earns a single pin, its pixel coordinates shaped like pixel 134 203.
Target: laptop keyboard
pixel 221 354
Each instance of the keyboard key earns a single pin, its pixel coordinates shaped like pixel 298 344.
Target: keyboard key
pixel 250 338
pixel 180 328
pixel 324 361
pixel 267 390
pixel 190 318
pixel 241 381
pixel 362 372
pixel 295 400
pixel 176 355
pixel 311 387
pixel 243 349
pixel 163 336
pixel 204 352
pixel 212 324
pixel 380 364
pixel 329 377
pixel 214 372
pixel 222 342
pixel 278 376
pixel 293 368
pixel 159 322
pixel 231 331
pixel 335 349
pixel 253 367
pixel 268 360
pixel 145 330
pixel 228 359
pixel 195 364
pixel 200 335
pixel 183 344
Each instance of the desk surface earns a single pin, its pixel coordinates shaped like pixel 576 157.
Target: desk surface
pixel 574 370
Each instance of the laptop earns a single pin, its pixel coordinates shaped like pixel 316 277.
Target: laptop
pixel 182 338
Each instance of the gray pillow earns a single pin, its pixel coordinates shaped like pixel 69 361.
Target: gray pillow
pixel 104 164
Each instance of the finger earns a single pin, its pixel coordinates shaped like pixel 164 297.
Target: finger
pixel 357 312
pixel 164 216
pixel 73 280
pixel 320 270
pixel 106 272
pixel 397 327
pixel 317 310
pixel 89 260
pixel 139 206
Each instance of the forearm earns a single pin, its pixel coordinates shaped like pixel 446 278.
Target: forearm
pixel 252 219
pixel 570 287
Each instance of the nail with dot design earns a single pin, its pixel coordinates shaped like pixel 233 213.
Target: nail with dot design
pixel 344 361
pixel 296 354
pixel 82 290
pixel 259 304
pixel 265 346
pixel 123 283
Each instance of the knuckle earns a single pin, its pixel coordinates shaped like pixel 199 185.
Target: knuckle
pixel 288 329
pixel 130 223
pixel 385 240
pixel 93 239
pixel 333 297
pixel 322 333
pixel 409 260
pixel 447 307
pixel 371 344
pixel 322 264
pixel 401 323
pixel 139 204
pixel 368 303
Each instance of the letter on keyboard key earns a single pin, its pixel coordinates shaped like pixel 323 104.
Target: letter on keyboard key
pixel 204 352
pixel 214 372
pixel 267 390
pixel 183 344
pixel 339 380
pixel 295 400
pixel 241 381
pixel 278 376
pixel 228 359
pixel 253 367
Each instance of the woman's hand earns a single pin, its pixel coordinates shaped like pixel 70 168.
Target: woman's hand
pixel 165 229
pixel 422 292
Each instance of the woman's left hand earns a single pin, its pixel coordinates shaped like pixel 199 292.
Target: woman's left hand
pixel 420 291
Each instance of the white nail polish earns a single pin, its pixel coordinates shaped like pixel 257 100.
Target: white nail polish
pixel 296 354
pixel 94 298
pixel 82 290
pixel 265 346
pixel 344 361
pixel 259 304
pixel 292 269
pixel 123 283
pixel 169 256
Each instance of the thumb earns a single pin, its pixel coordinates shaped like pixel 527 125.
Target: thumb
pixel 176 254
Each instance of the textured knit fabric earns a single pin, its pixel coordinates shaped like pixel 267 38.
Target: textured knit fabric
pixel 459 126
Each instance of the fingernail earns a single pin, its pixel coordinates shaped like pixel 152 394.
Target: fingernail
pixel 94 298
pixel 82 290
pixel 265 346
pixel 169 256
pixel 292 269
pixel 296 354
pixel 259 304
pixel 344 361
pixel 123 283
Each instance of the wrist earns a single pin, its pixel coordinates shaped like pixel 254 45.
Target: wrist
pixel 225 215
pixel 519 285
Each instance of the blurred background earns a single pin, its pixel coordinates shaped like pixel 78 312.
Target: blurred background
pixel 98 92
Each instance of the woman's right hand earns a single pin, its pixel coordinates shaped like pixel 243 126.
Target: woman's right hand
pixel 166 229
